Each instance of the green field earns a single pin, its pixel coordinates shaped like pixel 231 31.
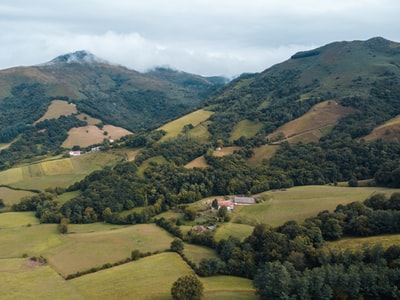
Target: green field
pixel 55 173
pixel 245 128
pixel 196 253
pixel 299 203
pixel 228 288
pixel 261 153
pixel 11 197
pixel 85 250
pixel 359 243
pixel 240 231
pixel 175 127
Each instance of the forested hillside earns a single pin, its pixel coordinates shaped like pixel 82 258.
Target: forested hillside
pixel 114 94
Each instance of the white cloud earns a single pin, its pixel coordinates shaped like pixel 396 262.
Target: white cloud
pixel 199 36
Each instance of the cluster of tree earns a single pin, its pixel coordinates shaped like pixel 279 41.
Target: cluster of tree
pixel 26 104
pixel 334 160
pixel 360 278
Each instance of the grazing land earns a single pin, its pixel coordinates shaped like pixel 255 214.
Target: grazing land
pixel 196 253
pixel 245 128
pixel 58 108
pixel 24 279
pixel 261 153
pixel 357 243
pixel 390 131
pixel 92 135
pixel 299 203
pixel 199 162
pixel 310 127
pixel 228 287
pixel 55 173
pixel 175 128
pixel 240 231
pixel 148 278
pixel 11 196
pixel 85 250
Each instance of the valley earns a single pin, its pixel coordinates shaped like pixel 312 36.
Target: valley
pixel 116 183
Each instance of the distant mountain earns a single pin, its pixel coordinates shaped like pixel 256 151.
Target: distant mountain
pixel 361 75
pixel 112 93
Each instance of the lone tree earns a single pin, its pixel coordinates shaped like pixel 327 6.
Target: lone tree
pixel 187 287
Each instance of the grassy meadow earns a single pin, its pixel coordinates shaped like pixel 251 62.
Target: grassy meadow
pixel 362 242
pixel 83 251
pixel 195 118
pixel 299 203
pixel 11 196
pixel 245 128
pixel 54 173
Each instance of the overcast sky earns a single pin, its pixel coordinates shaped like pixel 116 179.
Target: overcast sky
pixel 208 37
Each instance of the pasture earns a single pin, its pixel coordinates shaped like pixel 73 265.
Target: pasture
pixel 11 196
pixel 147 278
pixel 261 153
pixel 199 162
pixel 196 253
pixel 245 128
pixel 23 279
pixel 307 128
pixel 299 203
pixel 174 128
pixel 58 108
pixel 390 131
pixel 84 250
pixel 240 231
pixel 55 173
pixel 228 287
pixel 359 243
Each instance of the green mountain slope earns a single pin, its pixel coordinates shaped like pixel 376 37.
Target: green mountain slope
pixel 362 75
pixel 114 94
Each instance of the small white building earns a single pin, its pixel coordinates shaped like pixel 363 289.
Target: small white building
pixel 75 153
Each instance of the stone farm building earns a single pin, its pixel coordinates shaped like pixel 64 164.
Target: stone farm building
pixel 244 200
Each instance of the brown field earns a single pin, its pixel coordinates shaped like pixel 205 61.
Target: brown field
pixel 90 135
pixel 58 108
pixel 390 131
pixel 309 127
